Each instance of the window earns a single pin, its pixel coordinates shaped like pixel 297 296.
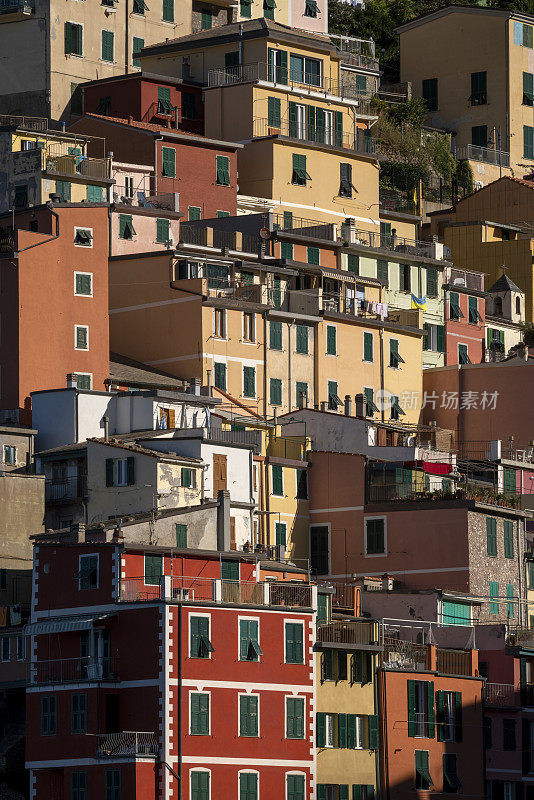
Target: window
pixel 302 339
pixel 451 783
pixel 422 771
pixel 78 785
pixel 325 726
pixel 6 648
pixel 139 7
pixel 353 263
pixel 313 255
pixel 280 531
pixel 168 162
pixel 10 454
pixel 249 382
pixel 523 34
pixel 479 96
pixel 220 376
pixel 81 337
pixel 395 359
pixel 345 180
pixel 163 230
pixel 83 237
pixel 431 282
pixel 153 569
pixel 319 549
pixel 181 534
pixel 300 175
pixel 275 392
pixel 188 105
pixel 168 11
pixel 491 536
pixel 294 640
pixel 48 715
pixel 200 785
pixel 510 603
pixel 494 597
pixel 194 213
pixel 73 39
pixel 301 389
pixel 430 93
pixel 454 613
pixel 199 644
pixel 248 786
pixel 370 406
pixel 84 380
pixel 245 8
pixel 206 20
pixel 249 647
pixel 138 45
pixel 275 335
pixel 108 46
pixel 311 9
pixel 331 340
pixel 395 411
pixel 219 323
pixel 126 228
pixel 528 141
pixel 87 574
pixel 463 355
pixel 223 170
pixel 268 8
pixel 104 105
pixel 382 271
pixel 446 704
pixel 434 338
pixel 302 484
pixel 333 397
pixel 368 347
pixel 248 715
pixel 222 214
pixel 479 136
pixel 509 538
pixel 375 537
pixel 199 722
pixel 274 114
pixel 294 718
pixel 286 250
pixel 528 89
pixel 474 316
pixel 249 327
pixel 78 713
pixel 21 196
pixel 295 787
pixel 113 784
pixel 95 194
pixel 21 654
pixel 508 734
pixel 305 70
pixel 120 471
pixel 277 480
pixel 327 665
pixel 421 714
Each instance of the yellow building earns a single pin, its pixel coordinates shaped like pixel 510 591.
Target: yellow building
pixel 304 122
pixel 346 724
pixel 38 162
pixel 483 93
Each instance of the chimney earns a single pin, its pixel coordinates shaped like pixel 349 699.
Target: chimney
pixel 348 230
pixel 194 386
pixel 208 375
pixel 360 405
pixel 106 428
pixel 223 520
pixel 78 532
pixel 347 405
pixel 323 405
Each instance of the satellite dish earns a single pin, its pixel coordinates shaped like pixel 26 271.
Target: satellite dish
pixel 265 233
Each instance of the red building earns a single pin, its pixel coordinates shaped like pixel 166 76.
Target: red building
pixel 165 101
pixel 465 318
pixel 203 172
pixel 158 673
pixel 53 301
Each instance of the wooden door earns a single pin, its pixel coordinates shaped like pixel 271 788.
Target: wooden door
pixel 219 473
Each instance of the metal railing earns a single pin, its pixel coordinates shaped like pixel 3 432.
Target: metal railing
pixel 126 744
pixel 357 141
pixel 13 7
pixel 67 489
pixel 463 277
pixel 283 447
pixel 398 244
pixel 349 632
pixel 224 239
pixel 7 243
pixel 399 654
pixel 307 228
pixel 234 437
pixel 501 695
pixel 402 492
pixel 453 662
pixel 37 124
pixel 471 152
pixel 194 235
pixel 357 52
pixel 308 81
pixel 393 201
pixel 79 166
pixel 297 595
pixel 73 670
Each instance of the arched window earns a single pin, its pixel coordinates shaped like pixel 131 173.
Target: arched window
pixel 518 305
pixel 498 307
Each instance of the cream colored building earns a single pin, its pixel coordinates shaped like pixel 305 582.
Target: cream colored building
pixel 304 121
pixel 475 68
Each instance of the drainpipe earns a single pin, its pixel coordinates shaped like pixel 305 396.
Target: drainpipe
pixel 289 327
pixel 381 337
pixel 521 607
pixel 180 668
pixel 265 365
pixel 156 140
pixel 126 36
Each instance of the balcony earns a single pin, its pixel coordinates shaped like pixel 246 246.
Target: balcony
pixel 66 490
pixel 246 438
pixel 394 243
pixel 37 124
pixel 464 278
pixel 7 244
pixel 128 744
pixel 13 11
pixel 408 492
pixel 357 143
pixel 501 695
pixel 406 655
pixel 307 228
pixel 72 670
pixel 359 53
pixel 206 590
pixel 310 82
pixel 78 166
pixel 206 236
pixel 350 632
pixel 453 662
pixel 471 152
pixel 397 202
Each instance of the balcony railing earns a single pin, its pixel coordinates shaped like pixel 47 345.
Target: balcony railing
pixel 397 244
pixel 357 142
pixel 234 437
pixel 307 228
pixel 501 695
pixel 399 654
pixel 67 489
pixel 471 152
pixel 128 744
pixel 13 7
pixel 7 243
pixel 206 590
pixel 407 492
pixel 294 79
pixel 72 670
pixel 466 278
pixel 349 632
pixel 37 124
pixel 393 201
pixel 78 166
pixel 453 662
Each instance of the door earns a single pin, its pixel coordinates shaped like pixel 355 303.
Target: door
pixel 329 127
pixel 319 547
pixel 219 473
pixel 301 122
pixel 112 713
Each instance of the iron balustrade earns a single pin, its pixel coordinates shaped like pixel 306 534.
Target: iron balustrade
pixel 67 489
pixel 486 155
pixel 234 437
pixel 501 695
pixel 348 633
pixel 37 124
pixel 307 228
pixel 463 277
pixel 453 662
pixel 399 654
pixel 358 141
pixel 73 670
pixel 126 744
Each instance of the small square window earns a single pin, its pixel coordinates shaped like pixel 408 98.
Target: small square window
pixel 81 337
pixel 87 574
pixel 83 284
pixel 83 237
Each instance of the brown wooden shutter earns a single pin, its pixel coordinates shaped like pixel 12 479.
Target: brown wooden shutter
pixel 172 418
pixel 232 534
pixel 219 473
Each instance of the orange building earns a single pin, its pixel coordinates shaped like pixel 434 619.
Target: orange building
pixel 53 302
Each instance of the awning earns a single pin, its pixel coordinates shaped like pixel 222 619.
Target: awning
pixel 63 625
pixel 338 274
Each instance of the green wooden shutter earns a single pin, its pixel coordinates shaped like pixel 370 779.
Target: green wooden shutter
pixel 137 46
pixel 280 528
pixel 321 791
pixel 339 128
pixel 320 125
pixel 367 346
pixel 162 230
pixel 351 731
pixel 509 478
pixel 275 391
pixel 353 263
pixel 373 732
pixel 494 593
pixel 130 470
pixel 295 787
pixel 382 270
pixel 357 793
pixel 510 605
pixel 440 718
pixel 331 340
pixel 528 141
pixel 286 250
pixel 320 735
pixel 275 335
pixel 94 193
pixel 313 255
pixel 168 158
pixel 412 726
pixel 181 535
pixel 109 472
pixel 168 10
pixel 277 476
pixel 220 376
pixel 274 114
pixel 440 338
pixel 508 538
pixel 293 119
pixel 249 382
pixel 223 170
pixel 491 536
pixel 431 714
pixel 302 339
pixel 108 45
pixel 294 643
pixel 458 732
pixel 311 123
pixel 341 730
pixel 200 785
pixel 68 38
pixel 343 791
pixel 164 100
pixel 431 282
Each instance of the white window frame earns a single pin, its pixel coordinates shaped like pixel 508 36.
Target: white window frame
pixel 327 354
pixel 87 375
pixel 78 55
pixel 199 769
pixel 421 725
pixel 253 315
pixel 248 772
pixel 296 772
pixel 216 335
pixel 131 179
pixel 360 732
pixel 295 622
pixel 248 694
pixel 330 730
pixel 191 693
pixel 116 462
pixel 448 727
pixel 375 555
pixel 371 334
pixel 78 272
pixel 272 481
pixel 246 619
pixel 3 641
pixel 83 227
pixel 279 522
pixel 89 555
pixel 294 697
pixel 81 349
pixel 466 345
pixel 208 617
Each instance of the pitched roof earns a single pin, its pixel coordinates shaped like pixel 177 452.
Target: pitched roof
pixel 504 284
pixel 123 444
pixel 128 372
pixel 171 133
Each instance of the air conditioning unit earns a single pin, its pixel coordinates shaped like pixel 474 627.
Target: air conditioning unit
pixel 459 281
pixel 182 594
